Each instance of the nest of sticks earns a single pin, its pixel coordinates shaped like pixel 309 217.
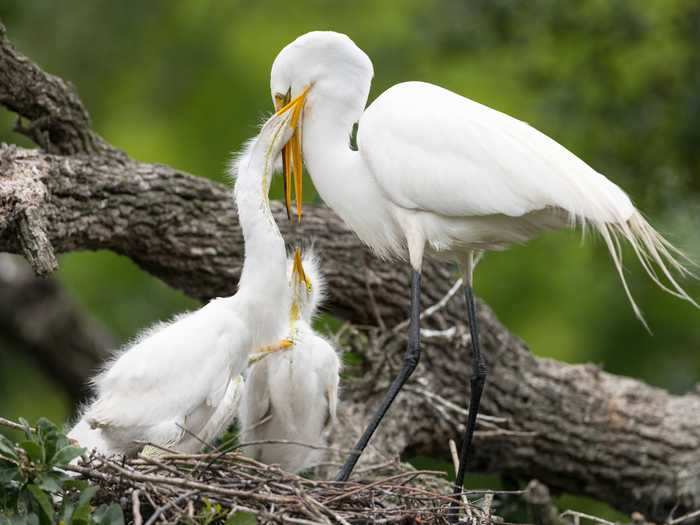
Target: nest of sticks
pixel 228 487
pixel 225 486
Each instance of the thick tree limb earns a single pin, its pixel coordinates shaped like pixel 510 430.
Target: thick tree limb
pixel 40 318
pixel 576 428
pixel 22 199
pixel 184 229
pixel 58 121
pixel 573 427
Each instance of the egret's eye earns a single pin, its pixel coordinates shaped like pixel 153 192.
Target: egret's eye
pixel 282 100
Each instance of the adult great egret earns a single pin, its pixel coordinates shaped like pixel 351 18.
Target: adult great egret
pixel 179 379
pixel 293 395
pixel 436 173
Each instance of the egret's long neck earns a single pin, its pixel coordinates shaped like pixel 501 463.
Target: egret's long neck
pixel 342 178
pixel 264 276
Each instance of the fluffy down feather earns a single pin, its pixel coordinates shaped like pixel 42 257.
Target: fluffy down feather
pixel 292 395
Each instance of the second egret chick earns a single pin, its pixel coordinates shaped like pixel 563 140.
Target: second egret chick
pixel 292 395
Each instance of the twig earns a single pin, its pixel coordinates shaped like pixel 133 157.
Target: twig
pixel 685 517
pixel 483 419
pixel 373 302
pixel 136 507
pixel 577 515
pixel 376 483
pixel 455 464
pixel 431 310
pixel 179 482
pixel 486 507
pixel 11 424
pixel 160 510
pixel 289 442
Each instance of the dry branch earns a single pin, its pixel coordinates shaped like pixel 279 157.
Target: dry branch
pixel 56 118
pixel 575 428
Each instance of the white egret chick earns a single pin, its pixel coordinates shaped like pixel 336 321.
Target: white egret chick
pixel 221 418
pixel 292 395
pixel 437 174
pixel 179 379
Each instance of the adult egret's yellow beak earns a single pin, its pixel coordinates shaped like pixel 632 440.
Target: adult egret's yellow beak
pixel 291 153
pixel 298 269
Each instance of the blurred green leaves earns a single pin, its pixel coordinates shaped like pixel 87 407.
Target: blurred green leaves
pixel 34 489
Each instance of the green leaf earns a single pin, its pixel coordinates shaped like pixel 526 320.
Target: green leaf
pixel 241 518
pixel 34 451
pixel 108 515
pixel 43 501
pixel 8 473
pixel 49 483
pixel 75 484
pixel 49 437
pixel 43 426
pixel 66 455
pixel 67 512
pixel 31 519
pixel 81 515
pixel 7 448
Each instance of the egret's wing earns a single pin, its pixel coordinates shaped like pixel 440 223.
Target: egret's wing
pixel 323 361
pixel 255 401
pixel 331 376
pixel 221 418
pixel 170 373
pixel 225 412
pixel 288 375
pixel 431 149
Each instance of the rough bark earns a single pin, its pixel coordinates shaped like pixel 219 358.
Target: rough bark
pixel 58 121
pixel 575 428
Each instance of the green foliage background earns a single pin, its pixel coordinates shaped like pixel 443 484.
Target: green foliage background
pixel 185 82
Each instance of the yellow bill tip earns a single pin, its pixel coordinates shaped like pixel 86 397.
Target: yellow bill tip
pixel 298 268
pixel 291 152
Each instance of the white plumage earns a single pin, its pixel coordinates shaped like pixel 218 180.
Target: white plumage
pixel 181 378
pixel 437 173
pixel 292 395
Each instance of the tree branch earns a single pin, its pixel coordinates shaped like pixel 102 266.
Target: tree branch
pixel 573 427
pixel 58 121
pixel 43 321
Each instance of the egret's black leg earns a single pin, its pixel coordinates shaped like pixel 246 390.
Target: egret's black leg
pixel 477 386
pixel 410 362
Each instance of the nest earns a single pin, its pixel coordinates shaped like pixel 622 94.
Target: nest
pixel 232 488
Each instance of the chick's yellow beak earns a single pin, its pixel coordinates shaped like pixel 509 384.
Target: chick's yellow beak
pixel 291 153
pixel 298 269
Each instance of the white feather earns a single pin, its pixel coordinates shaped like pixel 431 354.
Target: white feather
pixel 180 379
pixel 292 395
pixel 436 171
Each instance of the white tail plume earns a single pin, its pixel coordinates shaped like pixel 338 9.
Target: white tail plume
pixel 654 252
